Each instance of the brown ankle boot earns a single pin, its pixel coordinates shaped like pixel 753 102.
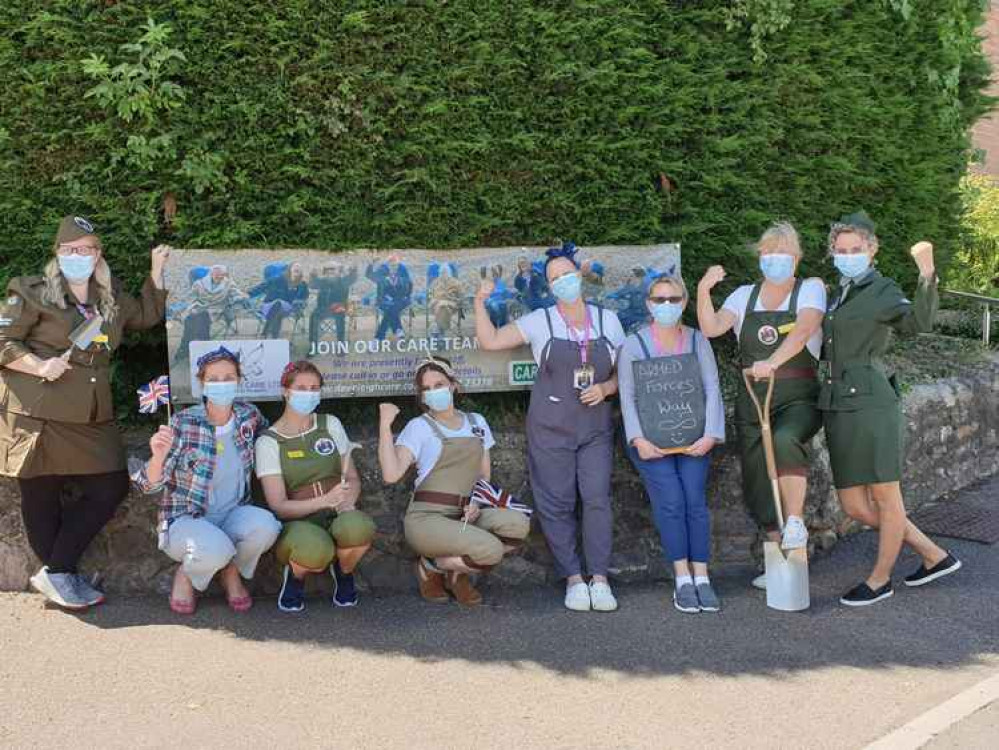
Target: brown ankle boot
pixel 460 585
pixel 431 584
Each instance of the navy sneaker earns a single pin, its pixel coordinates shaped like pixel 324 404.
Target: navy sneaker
pixel 344 591
pixel 863 595
pixel 292 596
pixel 924 575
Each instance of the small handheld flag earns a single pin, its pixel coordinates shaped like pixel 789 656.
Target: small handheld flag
pixel 488 495
pixel 153 394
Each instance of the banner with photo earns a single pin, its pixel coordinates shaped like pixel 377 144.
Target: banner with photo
pixel 367 317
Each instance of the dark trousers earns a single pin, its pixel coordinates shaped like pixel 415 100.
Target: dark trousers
pixel 391 322
pixel 60 532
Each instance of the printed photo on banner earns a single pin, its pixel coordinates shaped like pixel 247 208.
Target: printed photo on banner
pixel 366 318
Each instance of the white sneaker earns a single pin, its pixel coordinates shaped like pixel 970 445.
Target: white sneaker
pixel 602 597
pixel 760 582
pixel 58 588
pixel 577 597
pixel 795 534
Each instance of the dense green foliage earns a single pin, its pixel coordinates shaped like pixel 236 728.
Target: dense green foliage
pixel 466 123
pixel 977 261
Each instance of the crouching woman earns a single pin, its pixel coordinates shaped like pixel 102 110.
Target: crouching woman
pixel 202 462
pixel 452 537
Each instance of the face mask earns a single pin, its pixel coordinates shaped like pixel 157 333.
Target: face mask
pixel 438 399
pixel 567 288
pixel 666 313
pixel 220 393
pixel 304 402
pixel 852 265
pixel 77 267
pixel 777 267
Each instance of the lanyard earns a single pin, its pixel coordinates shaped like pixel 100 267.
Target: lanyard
pixel 584 342
pixel 661 350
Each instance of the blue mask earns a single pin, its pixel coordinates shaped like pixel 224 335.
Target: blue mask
pixel 666 313
pixel 568 288
pixel 304 402
pixel 77 267
pixel 221 393
pixel 437 399
pixel 777 267
pixel 852 265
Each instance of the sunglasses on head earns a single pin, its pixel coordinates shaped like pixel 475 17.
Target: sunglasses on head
pixel 673 300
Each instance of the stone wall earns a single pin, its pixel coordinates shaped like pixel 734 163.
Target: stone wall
pixel 952 441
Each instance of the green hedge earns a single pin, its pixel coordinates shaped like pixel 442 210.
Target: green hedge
pixel 464 123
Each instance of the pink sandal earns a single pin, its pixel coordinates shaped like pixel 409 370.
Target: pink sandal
pixel 240 603
pixel 183 608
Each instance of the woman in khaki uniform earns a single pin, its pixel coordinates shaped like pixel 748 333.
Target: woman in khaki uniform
pixel 310 483
pixel 56 415
pixel 451 452
pixel 860 400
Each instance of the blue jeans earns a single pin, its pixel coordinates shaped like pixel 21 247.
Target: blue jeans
pixel 677 491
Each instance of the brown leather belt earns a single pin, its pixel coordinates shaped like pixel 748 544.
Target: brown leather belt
pixel 440 498
pixel 313 490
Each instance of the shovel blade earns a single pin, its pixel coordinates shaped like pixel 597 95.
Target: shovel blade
pixel 787 578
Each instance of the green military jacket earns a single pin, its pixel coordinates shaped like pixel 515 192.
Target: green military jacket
pixel 856 334
pixel 30 326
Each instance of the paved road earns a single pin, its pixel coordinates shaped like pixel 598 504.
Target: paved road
pixel 520 672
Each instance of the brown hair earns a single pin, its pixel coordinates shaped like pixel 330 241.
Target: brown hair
pixel 301 367
pixel 444 368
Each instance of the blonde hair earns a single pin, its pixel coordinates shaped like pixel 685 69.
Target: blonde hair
pixel 670 278
pixel 780 234
pixel 54 291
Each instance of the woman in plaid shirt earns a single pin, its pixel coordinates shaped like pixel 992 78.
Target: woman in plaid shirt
pixel 204 460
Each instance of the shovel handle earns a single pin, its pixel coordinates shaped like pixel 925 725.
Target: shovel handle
pixel 766 434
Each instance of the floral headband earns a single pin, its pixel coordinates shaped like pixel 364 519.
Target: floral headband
pixel 431 360
pixel 216 355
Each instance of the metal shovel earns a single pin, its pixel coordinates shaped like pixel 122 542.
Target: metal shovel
pixel 787 574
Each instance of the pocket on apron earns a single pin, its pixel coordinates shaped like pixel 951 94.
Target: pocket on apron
pixel 19 436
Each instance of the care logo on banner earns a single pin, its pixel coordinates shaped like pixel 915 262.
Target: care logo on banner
pixel 262 362
pixel 367 318
pixel 523 372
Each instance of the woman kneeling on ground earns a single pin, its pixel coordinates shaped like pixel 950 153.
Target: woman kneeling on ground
pixel 204 459
pixel 303 463
pixel 451 451
pixel 676 482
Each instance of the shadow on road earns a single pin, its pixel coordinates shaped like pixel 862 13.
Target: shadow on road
pixel 948 623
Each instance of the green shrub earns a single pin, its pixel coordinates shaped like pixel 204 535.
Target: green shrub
pixel 429 124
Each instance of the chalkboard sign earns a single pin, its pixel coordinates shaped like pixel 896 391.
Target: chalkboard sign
pixel 669 397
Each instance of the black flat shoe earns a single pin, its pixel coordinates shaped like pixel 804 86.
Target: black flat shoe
pixel 863 595
pixel 948 565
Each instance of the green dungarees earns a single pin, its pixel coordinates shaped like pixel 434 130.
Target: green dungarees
pixel 311 542
pixel 859 398
pixel 793 418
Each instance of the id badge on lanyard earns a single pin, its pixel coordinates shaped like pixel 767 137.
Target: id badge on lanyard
pixel 585 375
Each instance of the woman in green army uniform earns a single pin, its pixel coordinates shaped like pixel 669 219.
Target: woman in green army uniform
pixel 778 323
pixel 304 466
pixel 861 405
pixel 56 415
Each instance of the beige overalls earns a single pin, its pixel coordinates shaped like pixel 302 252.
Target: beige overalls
pixel 433 522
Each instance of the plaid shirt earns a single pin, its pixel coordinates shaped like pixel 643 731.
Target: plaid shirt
pixel 190 464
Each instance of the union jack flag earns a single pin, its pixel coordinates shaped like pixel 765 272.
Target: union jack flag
pixel 153 394
pixel 488 495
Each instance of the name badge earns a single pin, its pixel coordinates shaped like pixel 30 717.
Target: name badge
pixel 296 454
pixel 583 377
pixel 786 328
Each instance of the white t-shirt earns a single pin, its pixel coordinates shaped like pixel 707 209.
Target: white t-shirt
pixel 268 452
pixel 812 295
pixel 426 447
pixel 534 328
